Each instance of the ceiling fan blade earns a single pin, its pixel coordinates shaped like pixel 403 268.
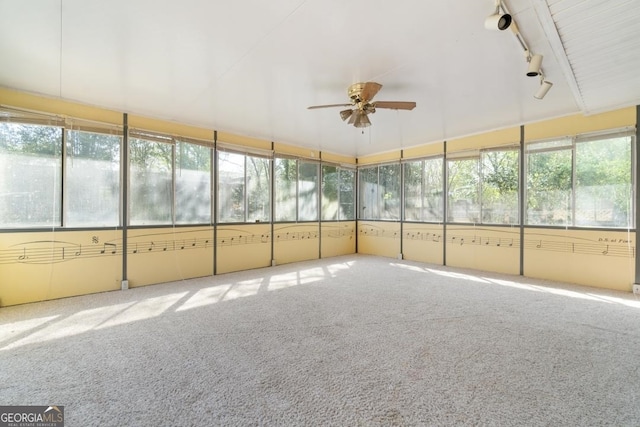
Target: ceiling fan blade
pixel 313 107
pixel 369 90
pixel 395 105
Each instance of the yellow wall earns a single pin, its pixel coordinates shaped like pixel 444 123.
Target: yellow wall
pixel 338 238
pixel 379 238
pixel 486 140
pixel 296 242
pixel 170 128
pixel 423 242
pixel 604 259
pixel 241 247
pixel 423 151
pixel 37 266
pixel 31 102
pixel 577 124
pixel 379 158
pixel 159 255
pixel 484 248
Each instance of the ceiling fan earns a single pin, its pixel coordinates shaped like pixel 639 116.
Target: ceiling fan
pixel 361 95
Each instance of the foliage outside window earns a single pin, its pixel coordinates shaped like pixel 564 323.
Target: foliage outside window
pixel 286 171
pixel 193 183
pixel 380 192
pixel 549 166
pixel 499 186
pixel 463 190
pixel 30 175
pixel 297 190
pixel 604 183
pixel 243 188
pixel 92 179
pixel 483 188
pixel 338 193
pixel 231 184
pixel 308 188
pixel 258 189
pixel 423 198
pixel 596 192
pixel 151 182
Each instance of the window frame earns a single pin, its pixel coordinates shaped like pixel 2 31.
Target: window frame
pixel 571 144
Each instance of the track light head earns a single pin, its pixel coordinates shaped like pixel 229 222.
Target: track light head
pixel 535 62
pixel 498 21
pixel 543 89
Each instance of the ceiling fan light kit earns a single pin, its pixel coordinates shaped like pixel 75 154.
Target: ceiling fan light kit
pixel 361 95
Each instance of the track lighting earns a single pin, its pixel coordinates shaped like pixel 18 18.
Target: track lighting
pixel 502 22
pixel 535 62
pixel 498 21
pixel 543 89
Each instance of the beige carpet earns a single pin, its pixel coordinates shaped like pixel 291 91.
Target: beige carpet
pixel 348 341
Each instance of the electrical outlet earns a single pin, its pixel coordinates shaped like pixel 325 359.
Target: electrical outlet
pixel 636 289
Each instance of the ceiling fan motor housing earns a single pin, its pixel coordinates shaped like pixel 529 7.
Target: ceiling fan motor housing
pixel 357 91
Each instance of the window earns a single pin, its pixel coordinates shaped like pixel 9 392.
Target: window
pixel 423 197
pixel 193 183
pixel 31 175
pixel 603 184
pixel 347 194
pixel 499 184
pixel 549 174
pixel 483 187
pixel 243 188
pixel 463 189
pixel 230 187
pixel 297 190
pixel 308 180
pixel 286 171
pixel 380 192
pixel 92 179
pixel 151 182
pixel 258 189
pixel 585 181
pixel 338 187
pixel 368 193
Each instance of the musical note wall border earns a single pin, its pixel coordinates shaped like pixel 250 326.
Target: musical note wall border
pixel 57 251
pixel 289 233
pixel 602 246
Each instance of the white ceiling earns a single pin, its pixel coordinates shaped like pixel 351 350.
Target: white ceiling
pixel 252 67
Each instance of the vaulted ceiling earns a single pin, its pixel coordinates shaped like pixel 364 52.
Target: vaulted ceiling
pixel 253 67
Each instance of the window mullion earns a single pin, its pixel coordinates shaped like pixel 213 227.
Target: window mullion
pixel 297 190
pixel 245 192
pixel 63 178
pixel 480 172
pixel 573 182
pixel 173 181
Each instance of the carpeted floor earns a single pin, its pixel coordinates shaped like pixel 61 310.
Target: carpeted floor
pixel 347 341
